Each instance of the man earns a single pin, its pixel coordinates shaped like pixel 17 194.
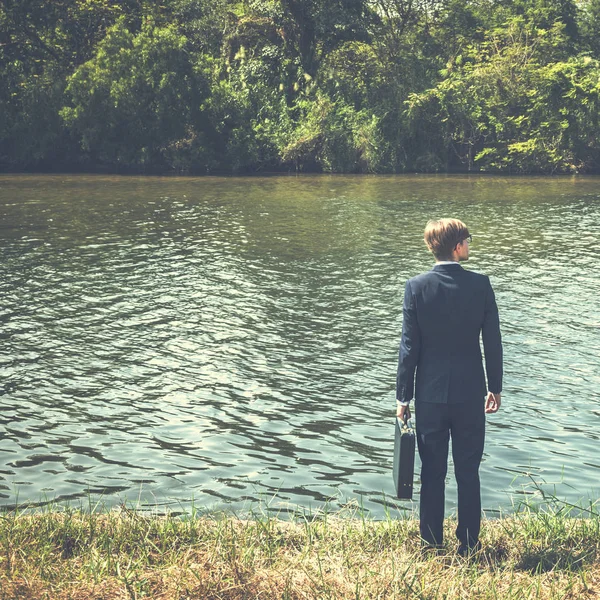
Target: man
pixel 445 311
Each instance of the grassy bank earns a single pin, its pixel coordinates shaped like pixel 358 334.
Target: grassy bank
pixel 117 554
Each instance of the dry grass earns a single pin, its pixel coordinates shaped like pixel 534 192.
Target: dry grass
pixel 73 554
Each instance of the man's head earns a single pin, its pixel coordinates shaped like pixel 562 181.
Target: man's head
pixel 448 239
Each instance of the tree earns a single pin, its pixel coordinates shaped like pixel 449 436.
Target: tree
pixel 136 97
pixel 589 25
pixel 40 42
pixel 508 106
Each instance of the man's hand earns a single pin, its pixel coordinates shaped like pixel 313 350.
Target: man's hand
pixel 492 403
pixel 401 411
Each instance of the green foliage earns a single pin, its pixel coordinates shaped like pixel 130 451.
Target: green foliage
pixel 333 137
pixel 589 26
pixel 201 22
pixel 338 85
pixel 543 14
pixel 134 99
pixel 39 44
pixel 506 106
pixel 353 72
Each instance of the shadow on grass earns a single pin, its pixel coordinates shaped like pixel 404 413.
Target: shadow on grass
pixel 547 559
pixel 556 534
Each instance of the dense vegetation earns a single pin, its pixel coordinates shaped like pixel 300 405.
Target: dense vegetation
pixel 383 86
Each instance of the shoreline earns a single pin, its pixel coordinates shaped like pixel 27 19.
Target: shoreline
pixel 294 174
pixel 120 553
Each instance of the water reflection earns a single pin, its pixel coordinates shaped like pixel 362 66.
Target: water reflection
pixel 233 340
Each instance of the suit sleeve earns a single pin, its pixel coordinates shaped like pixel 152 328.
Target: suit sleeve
pixel 492 342
pixel 410 347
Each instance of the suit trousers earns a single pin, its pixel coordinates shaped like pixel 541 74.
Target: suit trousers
pixel 436 424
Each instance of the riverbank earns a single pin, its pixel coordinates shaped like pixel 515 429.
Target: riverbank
pixel 124 554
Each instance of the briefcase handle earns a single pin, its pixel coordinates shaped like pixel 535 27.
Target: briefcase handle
pixel 406 422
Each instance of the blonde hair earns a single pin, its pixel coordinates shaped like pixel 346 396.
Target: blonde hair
pixel 441 236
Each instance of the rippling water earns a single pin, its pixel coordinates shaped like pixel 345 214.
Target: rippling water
pixel 223 342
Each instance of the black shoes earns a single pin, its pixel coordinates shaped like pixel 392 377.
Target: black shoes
pixel 431 549
pixel 466 551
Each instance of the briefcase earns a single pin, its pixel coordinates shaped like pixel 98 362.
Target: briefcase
pixel 404 459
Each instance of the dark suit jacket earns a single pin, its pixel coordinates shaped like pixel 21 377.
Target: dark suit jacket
pixel 445 310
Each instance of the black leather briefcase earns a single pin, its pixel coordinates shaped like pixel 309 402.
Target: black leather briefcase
pixel 404 459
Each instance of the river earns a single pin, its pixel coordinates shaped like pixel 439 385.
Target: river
pixel 231 343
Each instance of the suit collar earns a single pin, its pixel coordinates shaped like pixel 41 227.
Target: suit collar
pixel 447 266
